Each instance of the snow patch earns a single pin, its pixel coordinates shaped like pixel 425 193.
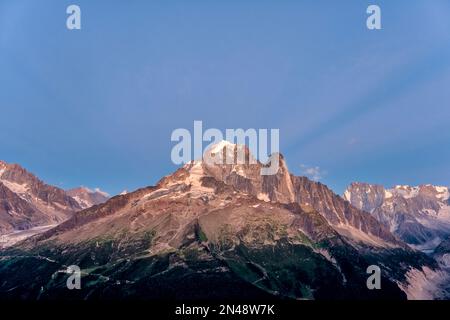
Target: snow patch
pixel 218 147
pixel 424 284
pixel 443 193
pixel 388 194
pixel 15 187
pixel 9 239
pixel 263 196
pixel 156 194
pixel 196 173
pixel 83 203
pixel 239 171
pixel 347 195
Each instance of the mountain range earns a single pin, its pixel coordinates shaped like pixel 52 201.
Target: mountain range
pixel 28 204
pixel 223 231
pixel 420 216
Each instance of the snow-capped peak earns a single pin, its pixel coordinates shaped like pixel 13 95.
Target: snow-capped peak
pixel 225 152
pixel 103 193
pixel 440 192
pixel 218 147
pixel 87 197
pixel 443 193
pixel 405 191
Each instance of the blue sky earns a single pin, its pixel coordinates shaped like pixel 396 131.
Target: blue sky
pixel 97 106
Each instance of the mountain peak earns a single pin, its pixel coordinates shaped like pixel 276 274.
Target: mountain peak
pixel 87 197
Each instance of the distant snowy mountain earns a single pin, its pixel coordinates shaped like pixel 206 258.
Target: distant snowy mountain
pixel 86 197
pixel 27 202
pixel 418 215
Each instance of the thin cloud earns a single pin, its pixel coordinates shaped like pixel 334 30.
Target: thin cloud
pixel 352 141
pixel 314 173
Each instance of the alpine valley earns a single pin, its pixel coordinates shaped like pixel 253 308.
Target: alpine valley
pixel 225 232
